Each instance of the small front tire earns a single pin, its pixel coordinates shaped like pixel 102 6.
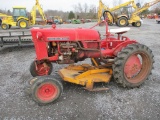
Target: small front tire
pixel 38 68
pixel 46 90
pixel 138 24
pixel 4 26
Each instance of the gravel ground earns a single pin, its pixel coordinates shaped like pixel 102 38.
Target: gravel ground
pixel 118 103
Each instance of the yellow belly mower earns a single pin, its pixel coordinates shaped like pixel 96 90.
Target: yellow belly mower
pixel 86 75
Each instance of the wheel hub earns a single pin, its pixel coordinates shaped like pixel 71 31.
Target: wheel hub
pixel 47 92
pixel 132 66
pixel 122 22
pixel 4 26
pixel 23 24
pixel 138 24
pixel 42 69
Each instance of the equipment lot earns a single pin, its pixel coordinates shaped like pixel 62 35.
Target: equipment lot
pixel 75 102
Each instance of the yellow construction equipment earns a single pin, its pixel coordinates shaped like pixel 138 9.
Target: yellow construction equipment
pixel 135 19
pixel 124 19
pixel 33 13
pixel 103 8
pixel 1 17
pixel 20 17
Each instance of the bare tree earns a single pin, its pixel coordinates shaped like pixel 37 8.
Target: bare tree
pixel 85 8
pixel 79 7
pixel 92 12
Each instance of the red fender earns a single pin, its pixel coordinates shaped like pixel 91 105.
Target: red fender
pixel 122 45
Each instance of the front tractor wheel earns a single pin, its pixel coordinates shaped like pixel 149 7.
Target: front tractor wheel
pixel 46 90
pixel 138 24
pixel 4 26
pixel 40 68
pixel 133 65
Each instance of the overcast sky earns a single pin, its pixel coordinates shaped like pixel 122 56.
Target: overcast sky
pixel 64 5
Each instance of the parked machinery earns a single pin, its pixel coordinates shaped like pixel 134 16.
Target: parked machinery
pixel 1 17
pixel 54 20
pixel 129 62
pixel 158 19
pixel 20 17
pixel 135 19
pixel 58 20
pixel 102 8
pixel 76 21
pixel 124 19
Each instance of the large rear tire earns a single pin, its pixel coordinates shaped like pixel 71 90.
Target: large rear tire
pixel 133 65
pixel 46 90
pixel 122 22
pixel 23 24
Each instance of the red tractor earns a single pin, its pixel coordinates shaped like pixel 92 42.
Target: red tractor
pixel 129 62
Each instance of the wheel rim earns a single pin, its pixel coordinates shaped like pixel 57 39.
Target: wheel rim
pixel 42 69
pixel 138 24
pixel 23 24
pixel 47 92
pixel 122 22
pixel 137 67
pixel 4 26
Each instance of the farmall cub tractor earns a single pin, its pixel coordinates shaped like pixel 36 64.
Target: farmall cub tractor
pixel 129 62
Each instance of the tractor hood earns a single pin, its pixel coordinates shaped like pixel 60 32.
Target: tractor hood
pixel 65 34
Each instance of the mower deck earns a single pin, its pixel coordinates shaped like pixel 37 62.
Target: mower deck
pixel 86 75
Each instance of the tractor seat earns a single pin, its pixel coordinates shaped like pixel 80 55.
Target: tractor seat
pixel 119 30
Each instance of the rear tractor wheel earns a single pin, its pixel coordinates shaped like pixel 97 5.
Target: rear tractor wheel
pixel 46 90
pixel 23 23
pixel 38 68
pixel 133 65
pixel 122 22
